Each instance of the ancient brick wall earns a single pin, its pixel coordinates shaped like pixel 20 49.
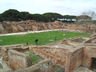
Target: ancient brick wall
pixel 74 60
pixel 42 66
pixel 17 60
pixel 89 53
pixel 51 53
pixel 36 26
pixel 5 49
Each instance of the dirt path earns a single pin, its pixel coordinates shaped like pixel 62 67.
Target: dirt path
pixel 21 33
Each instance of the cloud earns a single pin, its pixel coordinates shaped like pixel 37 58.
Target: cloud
pixel 74 7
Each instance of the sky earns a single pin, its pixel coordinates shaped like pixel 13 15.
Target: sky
pixel 64 7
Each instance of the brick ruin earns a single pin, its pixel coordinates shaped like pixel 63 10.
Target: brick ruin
pixel 31 25
pixel 68 54
pixel 14 58
pixel 71 55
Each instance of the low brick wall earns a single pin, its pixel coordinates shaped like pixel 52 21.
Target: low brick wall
pixel 54 57
pixel 39 67
pixel 5 49
pixel 17 60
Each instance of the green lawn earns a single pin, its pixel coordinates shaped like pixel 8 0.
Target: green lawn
pixel 44 37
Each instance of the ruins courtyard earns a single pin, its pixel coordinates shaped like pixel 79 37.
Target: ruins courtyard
pixel 62 50
pixel 43 37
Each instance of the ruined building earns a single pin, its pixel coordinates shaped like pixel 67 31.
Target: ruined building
pixel 68 54
pixel 31 25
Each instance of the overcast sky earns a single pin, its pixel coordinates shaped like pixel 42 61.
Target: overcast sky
pixel 71 7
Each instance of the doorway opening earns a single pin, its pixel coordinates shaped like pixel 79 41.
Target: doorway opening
pixel 93 64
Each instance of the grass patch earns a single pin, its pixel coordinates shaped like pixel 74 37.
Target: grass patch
pixel 44 37
pixel 34 58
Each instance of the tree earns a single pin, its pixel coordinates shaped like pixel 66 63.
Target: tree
pixel 15 15
pixel 38 17
pixel 52 16
pixel 1 18
pixel 69 18
pixel 25 16
pixel 91 14
pixel 11 15
pixel 82 18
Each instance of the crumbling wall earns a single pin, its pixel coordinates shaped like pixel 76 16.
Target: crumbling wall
pixel 7 27
pixel 18 60
pixel 42 66
pixel 74 60
pixel 51 53
pixel 5 49
pixel 89 53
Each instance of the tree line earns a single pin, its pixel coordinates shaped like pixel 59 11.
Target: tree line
pixel 15 15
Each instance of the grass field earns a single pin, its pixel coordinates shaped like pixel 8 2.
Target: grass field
pixel 44 37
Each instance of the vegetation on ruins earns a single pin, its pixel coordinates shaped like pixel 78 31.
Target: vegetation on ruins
pixel 14 15
pixel 44 37
pixel 34 57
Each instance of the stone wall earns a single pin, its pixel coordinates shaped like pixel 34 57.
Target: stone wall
pixel 17 60
pixel 74 60
pixel 10 27
pixel 5 49
pixel 70 60
pixel 13 55
pixel 42 66
pixel 52 54
pixel 89 53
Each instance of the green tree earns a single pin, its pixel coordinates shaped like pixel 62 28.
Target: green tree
pixel 11 15
pixel 1 18
pixel 52 16
pixel 39 17
pixel 82 18
pixel 25 16
pixel 69 18
pixel 14 15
